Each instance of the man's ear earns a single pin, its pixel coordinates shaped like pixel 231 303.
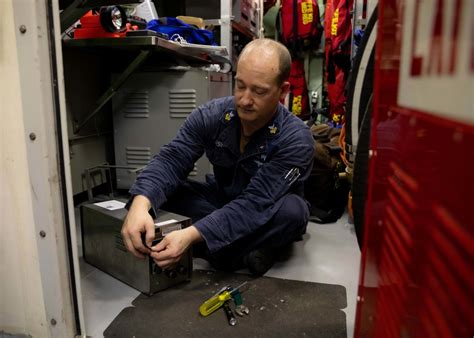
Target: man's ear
pixel 285 88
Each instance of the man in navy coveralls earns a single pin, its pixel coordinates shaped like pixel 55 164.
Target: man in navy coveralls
pixel 253 205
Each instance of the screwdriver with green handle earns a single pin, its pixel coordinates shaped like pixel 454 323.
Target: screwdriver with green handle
pixel 218 300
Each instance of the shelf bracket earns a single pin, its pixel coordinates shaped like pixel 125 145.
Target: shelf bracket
pixel 112 90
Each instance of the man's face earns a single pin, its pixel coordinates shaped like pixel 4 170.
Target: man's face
pixel 257 91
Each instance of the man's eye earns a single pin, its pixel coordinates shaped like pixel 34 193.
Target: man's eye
pixel 260 92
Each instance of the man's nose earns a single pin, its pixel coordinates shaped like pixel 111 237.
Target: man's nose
pixel 246 99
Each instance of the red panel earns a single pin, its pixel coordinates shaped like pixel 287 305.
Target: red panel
pixel 417 262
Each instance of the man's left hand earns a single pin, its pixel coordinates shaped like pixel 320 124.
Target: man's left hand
pixel 169 251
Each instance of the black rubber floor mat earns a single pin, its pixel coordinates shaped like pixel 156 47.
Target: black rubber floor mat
pixel 278 308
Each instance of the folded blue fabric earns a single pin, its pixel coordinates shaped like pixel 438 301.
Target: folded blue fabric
pixel 191 34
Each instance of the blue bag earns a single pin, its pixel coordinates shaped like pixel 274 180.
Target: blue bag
pixel 173 26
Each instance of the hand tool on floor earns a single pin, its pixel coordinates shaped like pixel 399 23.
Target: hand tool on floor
pixel 230 315
pixel 216 301
pixel 240 308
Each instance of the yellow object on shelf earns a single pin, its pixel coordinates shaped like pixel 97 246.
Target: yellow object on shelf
pixel 192 20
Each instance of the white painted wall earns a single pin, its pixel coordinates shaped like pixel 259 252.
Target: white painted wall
pixel 35 285
pixel 21 296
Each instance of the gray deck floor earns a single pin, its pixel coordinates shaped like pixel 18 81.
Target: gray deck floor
pixel 327 254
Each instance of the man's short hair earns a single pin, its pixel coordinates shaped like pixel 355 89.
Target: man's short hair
pixel 284 56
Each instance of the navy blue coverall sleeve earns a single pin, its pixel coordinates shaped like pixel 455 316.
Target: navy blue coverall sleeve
pixel 175 161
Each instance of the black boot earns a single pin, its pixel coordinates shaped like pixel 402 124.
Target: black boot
pixel 260 260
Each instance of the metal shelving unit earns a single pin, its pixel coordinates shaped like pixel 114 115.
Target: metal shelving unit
pixel 123 57
pixel 190 54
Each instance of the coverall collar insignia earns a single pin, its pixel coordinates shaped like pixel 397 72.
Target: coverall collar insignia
pixel 229 116
pixel 273 129
pixel 274 126
pixel 229 134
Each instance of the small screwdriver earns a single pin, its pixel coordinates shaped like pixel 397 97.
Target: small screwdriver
pixel 216 301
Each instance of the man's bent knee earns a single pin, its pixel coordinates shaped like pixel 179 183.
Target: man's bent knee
pixel 293 210
pixel 291 218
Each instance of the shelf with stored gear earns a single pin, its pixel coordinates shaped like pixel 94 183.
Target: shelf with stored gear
pixel 131 53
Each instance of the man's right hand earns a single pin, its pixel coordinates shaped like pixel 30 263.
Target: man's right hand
pixel 138 221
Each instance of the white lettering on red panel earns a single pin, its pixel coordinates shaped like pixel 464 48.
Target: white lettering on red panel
pixel 437 58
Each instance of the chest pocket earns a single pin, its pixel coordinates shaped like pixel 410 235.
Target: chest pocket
pixel 223 163
pixel 253 163
pixel 222 157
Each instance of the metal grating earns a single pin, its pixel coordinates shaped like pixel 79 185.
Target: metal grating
pixel 181 102
pixel 396 251
pixel 137 105
pixel 425 268
pixel 138 155
pixel 448 278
